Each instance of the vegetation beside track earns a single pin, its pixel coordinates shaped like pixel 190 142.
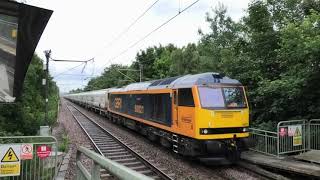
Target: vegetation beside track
pixel 274 50
pixel 26 115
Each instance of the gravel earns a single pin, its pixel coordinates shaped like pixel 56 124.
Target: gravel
pixel 76 138
pixel 181 167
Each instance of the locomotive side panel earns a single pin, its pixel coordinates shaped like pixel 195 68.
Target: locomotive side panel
pixel 150 107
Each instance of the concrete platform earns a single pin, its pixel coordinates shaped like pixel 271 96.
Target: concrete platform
pixel 311 156
pixel 284 164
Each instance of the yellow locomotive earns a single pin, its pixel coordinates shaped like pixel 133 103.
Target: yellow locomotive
pixel 203 115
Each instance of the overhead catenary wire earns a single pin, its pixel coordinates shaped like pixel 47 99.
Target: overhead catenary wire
pixel 76 74
pixel 68 60
pixel 68 70
pixel 126 75
pixel 138 42
pixel 151 32
pixel 141 39
pixel 132 24
pixel 114 40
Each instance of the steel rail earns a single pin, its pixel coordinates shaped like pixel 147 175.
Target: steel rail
pixel 84 130
pixel 263 173
pixel 156 172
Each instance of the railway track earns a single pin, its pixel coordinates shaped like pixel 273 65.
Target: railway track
pixel 113 148
pixel 262 173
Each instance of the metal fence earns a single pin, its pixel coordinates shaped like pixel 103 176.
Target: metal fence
pixel 37 159
pixel 290 137
pixel 265 141
pixel 314 135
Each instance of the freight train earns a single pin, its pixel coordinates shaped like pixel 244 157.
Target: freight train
pixel 205 116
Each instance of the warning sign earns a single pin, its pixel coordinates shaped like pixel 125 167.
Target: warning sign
pixel 26 151
pixel 283 131
pixel 43 151
pixel 291 130
pixel 10 160
pixel 297 137
pixel 10 156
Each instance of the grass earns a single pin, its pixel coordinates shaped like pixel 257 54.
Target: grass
pixel 63 146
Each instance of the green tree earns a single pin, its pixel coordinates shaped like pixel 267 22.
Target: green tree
pixel 111 77
pixel 27 114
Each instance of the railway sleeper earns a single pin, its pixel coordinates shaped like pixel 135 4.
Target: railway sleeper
pixel 139 168
pixel 147 172
pixel 114 150
pixel 111 146
pixel 132 164
pixel 120 156
pixel 99 136
pixel 115 153
pixel 102 140
pixel 106 141
pixel 125 160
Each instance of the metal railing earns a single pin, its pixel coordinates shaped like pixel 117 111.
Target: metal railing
pixel 314 134
pixel 99 161
pixel 291 141
pixel 290 137
pixel 34 167
pixel 265 141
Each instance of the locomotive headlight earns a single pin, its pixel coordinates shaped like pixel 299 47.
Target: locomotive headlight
pixel 245 129
pixel 205 131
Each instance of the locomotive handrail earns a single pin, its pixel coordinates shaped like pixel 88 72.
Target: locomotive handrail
pixel 114 168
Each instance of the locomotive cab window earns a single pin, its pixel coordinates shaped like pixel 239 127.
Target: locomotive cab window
pixel 185 97
pixel 222 97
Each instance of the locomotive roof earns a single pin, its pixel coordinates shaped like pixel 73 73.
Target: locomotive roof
pixel 186 81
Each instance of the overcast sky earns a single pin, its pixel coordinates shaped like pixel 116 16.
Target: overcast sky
pixel 81 29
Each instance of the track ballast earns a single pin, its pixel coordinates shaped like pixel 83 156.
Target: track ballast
pixel 113 148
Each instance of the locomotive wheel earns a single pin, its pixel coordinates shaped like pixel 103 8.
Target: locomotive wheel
pixel 165 142
pixel 152 136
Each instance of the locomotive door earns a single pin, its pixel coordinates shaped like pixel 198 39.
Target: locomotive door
pixel 175 108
